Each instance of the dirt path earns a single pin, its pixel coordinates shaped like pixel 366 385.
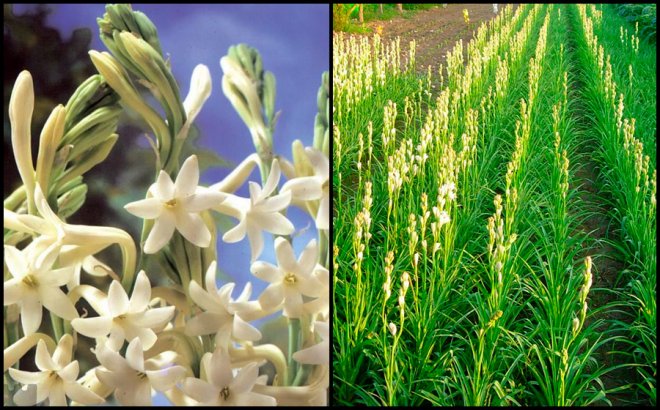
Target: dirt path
pixel 435 30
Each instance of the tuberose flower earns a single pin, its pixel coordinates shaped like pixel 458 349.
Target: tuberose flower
pixel 222 388
pixel 132 377
pixel 259 212
pixel 175 205
pixel 290 280
pixel 222 315
pixel 319 353
pixel 35 283
pixel 126 319
pixel 56 379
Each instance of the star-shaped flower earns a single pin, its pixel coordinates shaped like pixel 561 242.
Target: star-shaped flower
pixel 35 283
pixel 56 379
pixel 290 280
pixel 222 388
pixel 175 205
pixel 132 377
pixel 259 212
pixel 126 319
pixel 319 353
pixel 222 315
pixel 316 187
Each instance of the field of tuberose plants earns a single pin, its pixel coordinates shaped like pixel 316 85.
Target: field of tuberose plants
pixel 495 219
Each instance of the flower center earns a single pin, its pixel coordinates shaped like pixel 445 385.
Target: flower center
pixel 30 281
pixel 290 278
pixel 171 203
pixel 225 392
pixel 141 375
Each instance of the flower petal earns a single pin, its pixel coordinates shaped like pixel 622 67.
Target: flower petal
pixel 203 299
pixel 81 394
pixel 117 299
pixel 13 291
pixel 220 373
pixel 267 272
pixel 317 354
pixel 304 188
pixel 275 203
pixel 24 377
pixel 209 278
pixel 188 178
pixel 70 372
pixel 161 233
pixel 308 258
pixel 272 296
pixel 255 399
pixel 256 241
pixel 323 214
pixel 285 256
pixel 202 200
pixel 319 162
pixel 62 354
pixel 163 189
pixel 273 179
pixel 192 228
pixel 149 208
pixel 292 304
pixel 205 323
pixel 245 379
pixel 135 355
pixel 200 89
pixel 141 294
pixel 273 222
pixel 31 312
pixel 93 326
pixel 27 395
pixel 57 302
pixel 200 390
pixel 154 318
pixel 42 358
pixel 242 330
pixel 138 395
pixel 236 233
pixel 166 378
pixel 16 262
pixel 56 396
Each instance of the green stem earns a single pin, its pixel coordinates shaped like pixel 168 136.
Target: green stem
pixel 58 330
pixel 14 201
pixel 294 342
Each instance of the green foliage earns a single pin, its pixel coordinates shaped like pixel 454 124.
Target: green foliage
pixel 644 14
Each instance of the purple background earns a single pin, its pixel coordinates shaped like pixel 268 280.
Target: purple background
pixel 294 44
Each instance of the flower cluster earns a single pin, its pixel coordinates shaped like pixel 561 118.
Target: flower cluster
pixel 190 340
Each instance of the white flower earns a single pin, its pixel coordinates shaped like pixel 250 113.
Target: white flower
pixel 222 314
pixel 319 353
pixel 175 205
pixel 290 280
pixel 309 188
pixel 34 282
pixel 21 106
pixel 222 388
pixel 200 90
pixel 259 212
pixel 320 305
pixel 126 319
pixel 55 381
pixel 132 377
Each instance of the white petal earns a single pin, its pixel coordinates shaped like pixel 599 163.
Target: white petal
pixel 304 188
pixel 308 258
pixel 56 278
pixel 309 286
pixel 149 208
pixel 166 378
pixel 192 228
pixel 56 396
pixel 319 162
pixel 255 400
pixel 141 294
pixel 188 178
pixel 30 314
pixel 161 233
pixel 237 233
pixel 317 354
pixel 200 390
pixel 203 299
pixel 147 336
pixel 267 272
pixel 16 262
pixel 24 377
pixel 82 394
pixel 245 379
pixel 202 200
pixel 220 373
pixel 242 330
pixel 205 324
pixel 57 302
pixel 272 296
pixel 43 207
pixel 163 189
pixel 155 317
pixel 117 299
pixel 273 222
pixel 245 294
pixel 137 395
pixel 209 278
pixel 93 326
pixel 292 304
pixel 70 372
pixel 256 241
pixel 273 179
pixel 62 355
pixel 323 329
pixel 26 396
pixel 323 214
pixel 42 358
pixel 285 256
pixel 275 203
pixel 224 294
pixel 13 291
pixel 135 355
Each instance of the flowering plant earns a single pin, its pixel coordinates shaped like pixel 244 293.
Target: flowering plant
pixel 190 340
